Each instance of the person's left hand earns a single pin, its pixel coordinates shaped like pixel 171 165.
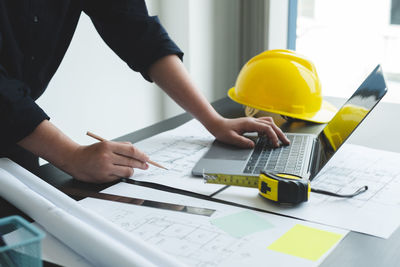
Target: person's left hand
pixel 231 131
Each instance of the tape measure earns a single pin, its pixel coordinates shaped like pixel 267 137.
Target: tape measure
pixel 278 187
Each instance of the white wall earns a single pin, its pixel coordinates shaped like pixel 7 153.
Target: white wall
pixel 208 32
pixel 94 90
pixel 227 43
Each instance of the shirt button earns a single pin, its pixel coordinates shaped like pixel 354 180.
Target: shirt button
pixel 33 58
pixel 35 19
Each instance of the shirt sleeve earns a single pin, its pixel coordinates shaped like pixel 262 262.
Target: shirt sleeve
pixel 19 114
pixel 136 37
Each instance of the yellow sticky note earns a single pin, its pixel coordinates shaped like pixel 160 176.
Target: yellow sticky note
pixel 305 242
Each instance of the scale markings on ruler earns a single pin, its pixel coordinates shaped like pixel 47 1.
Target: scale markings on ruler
pixel 227 179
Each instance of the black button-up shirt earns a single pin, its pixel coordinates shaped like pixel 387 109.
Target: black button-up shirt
pixel 35 34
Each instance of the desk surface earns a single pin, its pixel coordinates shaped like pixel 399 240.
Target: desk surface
pixel 377 131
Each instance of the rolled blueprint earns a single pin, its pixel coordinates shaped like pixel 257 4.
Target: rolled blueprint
pixel 90 235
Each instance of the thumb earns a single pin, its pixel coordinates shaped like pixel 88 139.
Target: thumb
pixel 242 141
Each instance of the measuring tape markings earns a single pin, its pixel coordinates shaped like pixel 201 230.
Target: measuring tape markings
pixel 286 189
pixel 278 187
pixel 227 179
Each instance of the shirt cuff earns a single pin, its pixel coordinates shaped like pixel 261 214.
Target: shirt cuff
pixel 157 57
pixel 23 124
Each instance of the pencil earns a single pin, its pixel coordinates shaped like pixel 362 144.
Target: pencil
pixel 95 136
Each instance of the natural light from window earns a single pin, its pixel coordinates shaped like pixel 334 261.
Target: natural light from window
pixel 346 39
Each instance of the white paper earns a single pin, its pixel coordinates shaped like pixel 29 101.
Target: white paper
pixel 192 238
pixel 77 227
pixel 375 212
pixel 178 150
pixel 66 227
pixel 56 251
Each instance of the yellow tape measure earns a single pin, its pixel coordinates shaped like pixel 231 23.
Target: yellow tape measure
pixel 278 187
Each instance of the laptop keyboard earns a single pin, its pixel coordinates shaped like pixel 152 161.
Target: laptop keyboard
pixel 286 159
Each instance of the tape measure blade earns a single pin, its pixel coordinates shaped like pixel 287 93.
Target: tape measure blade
pixel 236 180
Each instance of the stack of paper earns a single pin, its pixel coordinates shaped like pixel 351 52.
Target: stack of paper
pixel 131 235
pixel 232 236
pixel 88 234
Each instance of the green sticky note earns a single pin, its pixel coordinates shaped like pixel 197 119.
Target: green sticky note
pixel 241 224
pixel 305 242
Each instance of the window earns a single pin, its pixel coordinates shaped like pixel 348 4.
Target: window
pixel 346 39
pixel 395 12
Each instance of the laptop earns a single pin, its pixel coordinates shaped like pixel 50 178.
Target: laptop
pixel 308 153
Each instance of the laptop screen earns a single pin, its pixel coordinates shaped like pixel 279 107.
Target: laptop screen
pixel 351 114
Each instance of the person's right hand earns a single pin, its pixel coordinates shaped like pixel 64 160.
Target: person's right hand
pixel 105 161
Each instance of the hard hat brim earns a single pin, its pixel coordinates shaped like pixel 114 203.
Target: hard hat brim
pixel 324 115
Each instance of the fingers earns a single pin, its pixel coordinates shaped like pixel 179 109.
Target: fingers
pixel 266 126
pixel 241 141
pixel 231 131
pixel 125 158
pixel 128 150
pixel 281 135
pixel 277 132
pixel 105 161
pixel 121 160
pixel 122 171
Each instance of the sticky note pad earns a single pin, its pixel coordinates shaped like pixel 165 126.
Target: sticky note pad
pixel 305 242
pixel 241 224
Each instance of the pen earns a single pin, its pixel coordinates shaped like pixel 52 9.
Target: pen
pixel 95 136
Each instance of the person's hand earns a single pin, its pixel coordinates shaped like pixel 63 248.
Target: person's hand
pixel 231 131
pixel 105 161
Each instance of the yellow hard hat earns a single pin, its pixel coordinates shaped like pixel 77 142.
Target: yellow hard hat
pixel 345 121
pixel 283 82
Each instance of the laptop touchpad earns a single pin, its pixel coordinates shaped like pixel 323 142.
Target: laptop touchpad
pixel 220 150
